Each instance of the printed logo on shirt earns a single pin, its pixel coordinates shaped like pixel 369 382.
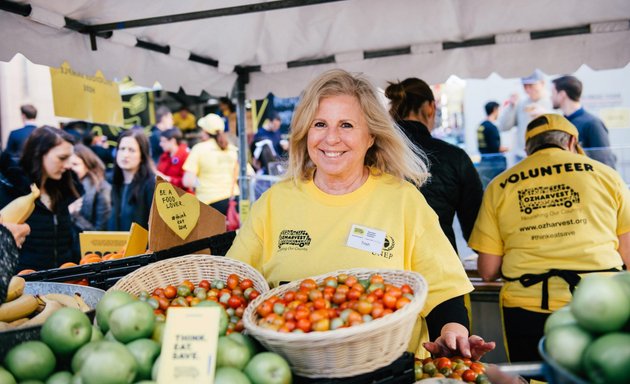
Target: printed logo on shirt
pixel 388 247
pixel 548 170
pixel 558 195
pixel 294 240
pixel 175 160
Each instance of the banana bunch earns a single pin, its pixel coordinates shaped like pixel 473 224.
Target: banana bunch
pixel 24 310
pixel 19 210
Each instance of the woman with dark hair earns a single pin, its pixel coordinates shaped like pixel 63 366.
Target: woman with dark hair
pixel 91 212
pixel 454 187
pixel 133 183
pixel 45 162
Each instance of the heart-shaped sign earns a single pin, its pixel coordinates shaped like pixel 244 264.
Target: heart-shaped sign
pixel 180 213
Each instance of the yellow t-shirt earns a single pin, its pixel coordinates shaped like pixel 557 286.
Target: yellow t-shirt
pixel 184 123
pixel 215 169
pixel 553 210
pixel 294 232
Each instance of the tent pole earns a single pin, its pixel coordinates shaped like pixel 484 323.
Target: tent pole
pixel 241 80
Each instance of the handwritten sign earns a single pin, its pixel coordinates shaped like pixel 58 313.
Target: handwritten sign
pixel 180 213
pixel 189 346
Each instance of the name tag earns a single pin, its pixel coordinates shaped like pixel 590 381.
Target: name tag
pixel 366 239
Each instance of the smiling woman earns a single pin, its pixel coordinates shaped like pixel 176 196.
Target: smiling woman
pixel 45 162
pixel 351 169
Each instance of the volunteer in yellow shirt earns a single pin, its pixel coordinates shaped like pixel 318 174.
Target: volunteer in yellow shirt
pixel 184 119
pixel 211 166
pixel 346 175
pixel 552 216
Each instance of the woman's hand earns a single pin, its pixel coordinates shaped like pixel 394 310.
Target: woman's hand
pixel 75 206
pixel 454 341
pixel 19 232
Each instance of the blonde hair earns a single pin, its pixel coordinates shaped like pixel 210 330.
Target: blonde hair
pixel 392 152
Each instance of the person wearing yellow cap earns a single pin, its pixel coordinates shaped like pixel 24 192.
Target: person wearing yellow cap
pixel 212 165
pixel 545 222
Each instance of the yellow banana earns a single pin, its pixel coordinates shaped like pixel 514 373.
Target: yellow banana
pixel 18 308
pixel 4 326
pixel 18 210
pixel 16 288
pixel 65 300
pixel 18 322
pixel 82 304
pixel 51 307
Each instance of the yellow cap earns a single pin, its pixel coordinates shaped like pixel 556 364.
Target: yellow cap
pixel 211 123
pixel 552 122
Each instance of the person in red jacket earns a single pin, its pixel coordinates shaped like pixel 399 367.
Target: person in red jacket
pixel 173 158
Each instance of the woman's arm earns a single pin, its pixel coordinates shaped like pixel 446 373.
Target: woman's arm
pixel 489 266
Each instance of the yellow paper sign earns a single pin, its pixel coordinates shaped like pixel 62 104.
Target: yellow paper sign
pixel 180 213
pixel 189 346
pixel 138 239
pixel 90 98
pixel 243 210
pixel 615 117
pixel 102 242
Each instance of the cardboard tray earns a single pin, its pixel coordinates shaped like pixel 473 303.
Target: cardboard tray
pixel 104 274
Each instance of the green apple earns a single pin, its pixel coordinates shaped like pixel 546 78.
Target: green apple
pixel 268 368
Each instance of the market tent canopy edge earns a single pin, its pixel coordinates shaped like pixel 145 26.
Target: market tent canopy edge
pixel 278 46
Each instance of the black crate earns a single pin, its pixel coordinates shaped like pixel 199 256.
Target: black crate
pixel 104 274
pixel 400 371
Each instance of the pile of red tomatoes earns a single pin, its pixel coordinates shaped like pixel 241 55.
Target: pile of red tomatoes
pixel 337 302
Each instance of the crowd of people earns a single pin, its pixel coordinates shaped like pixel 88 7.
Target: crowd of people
pixel 540 225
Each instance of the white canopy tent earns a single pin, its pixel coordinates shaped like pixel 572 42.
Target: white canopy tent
pixel 278 46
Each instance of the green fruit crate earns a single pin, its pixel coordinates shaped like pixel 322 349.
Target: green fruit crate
pixel 104 274
pixel 554 372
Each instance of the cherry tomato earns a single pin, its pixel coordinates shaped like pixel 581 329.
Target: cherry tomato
pixel 389 301
pixel 234 302
pixel 232 281
pixel 443 362
pixel 205 284
pixel 246 283
pixel 307 285
pixel 402 302
pixel 264 309
pixel 304 325
pixel 469 375
pixel 170 292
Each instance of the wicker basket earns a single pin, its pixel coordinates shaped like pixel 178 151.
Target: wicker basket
pixel 348 351
pixel 191 267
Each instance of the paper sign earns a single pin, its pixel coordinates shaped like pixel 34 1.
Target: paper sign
pixel 180 213
pixel 90 98
pixel 189 346
pixel 615 117
pixel 102 242
pixel 138 239
pixel 366 239
pixel 243 210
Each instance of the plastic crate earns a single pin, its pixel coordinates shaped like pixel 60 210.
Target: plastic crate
pixel 104 274
pixel 401 371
